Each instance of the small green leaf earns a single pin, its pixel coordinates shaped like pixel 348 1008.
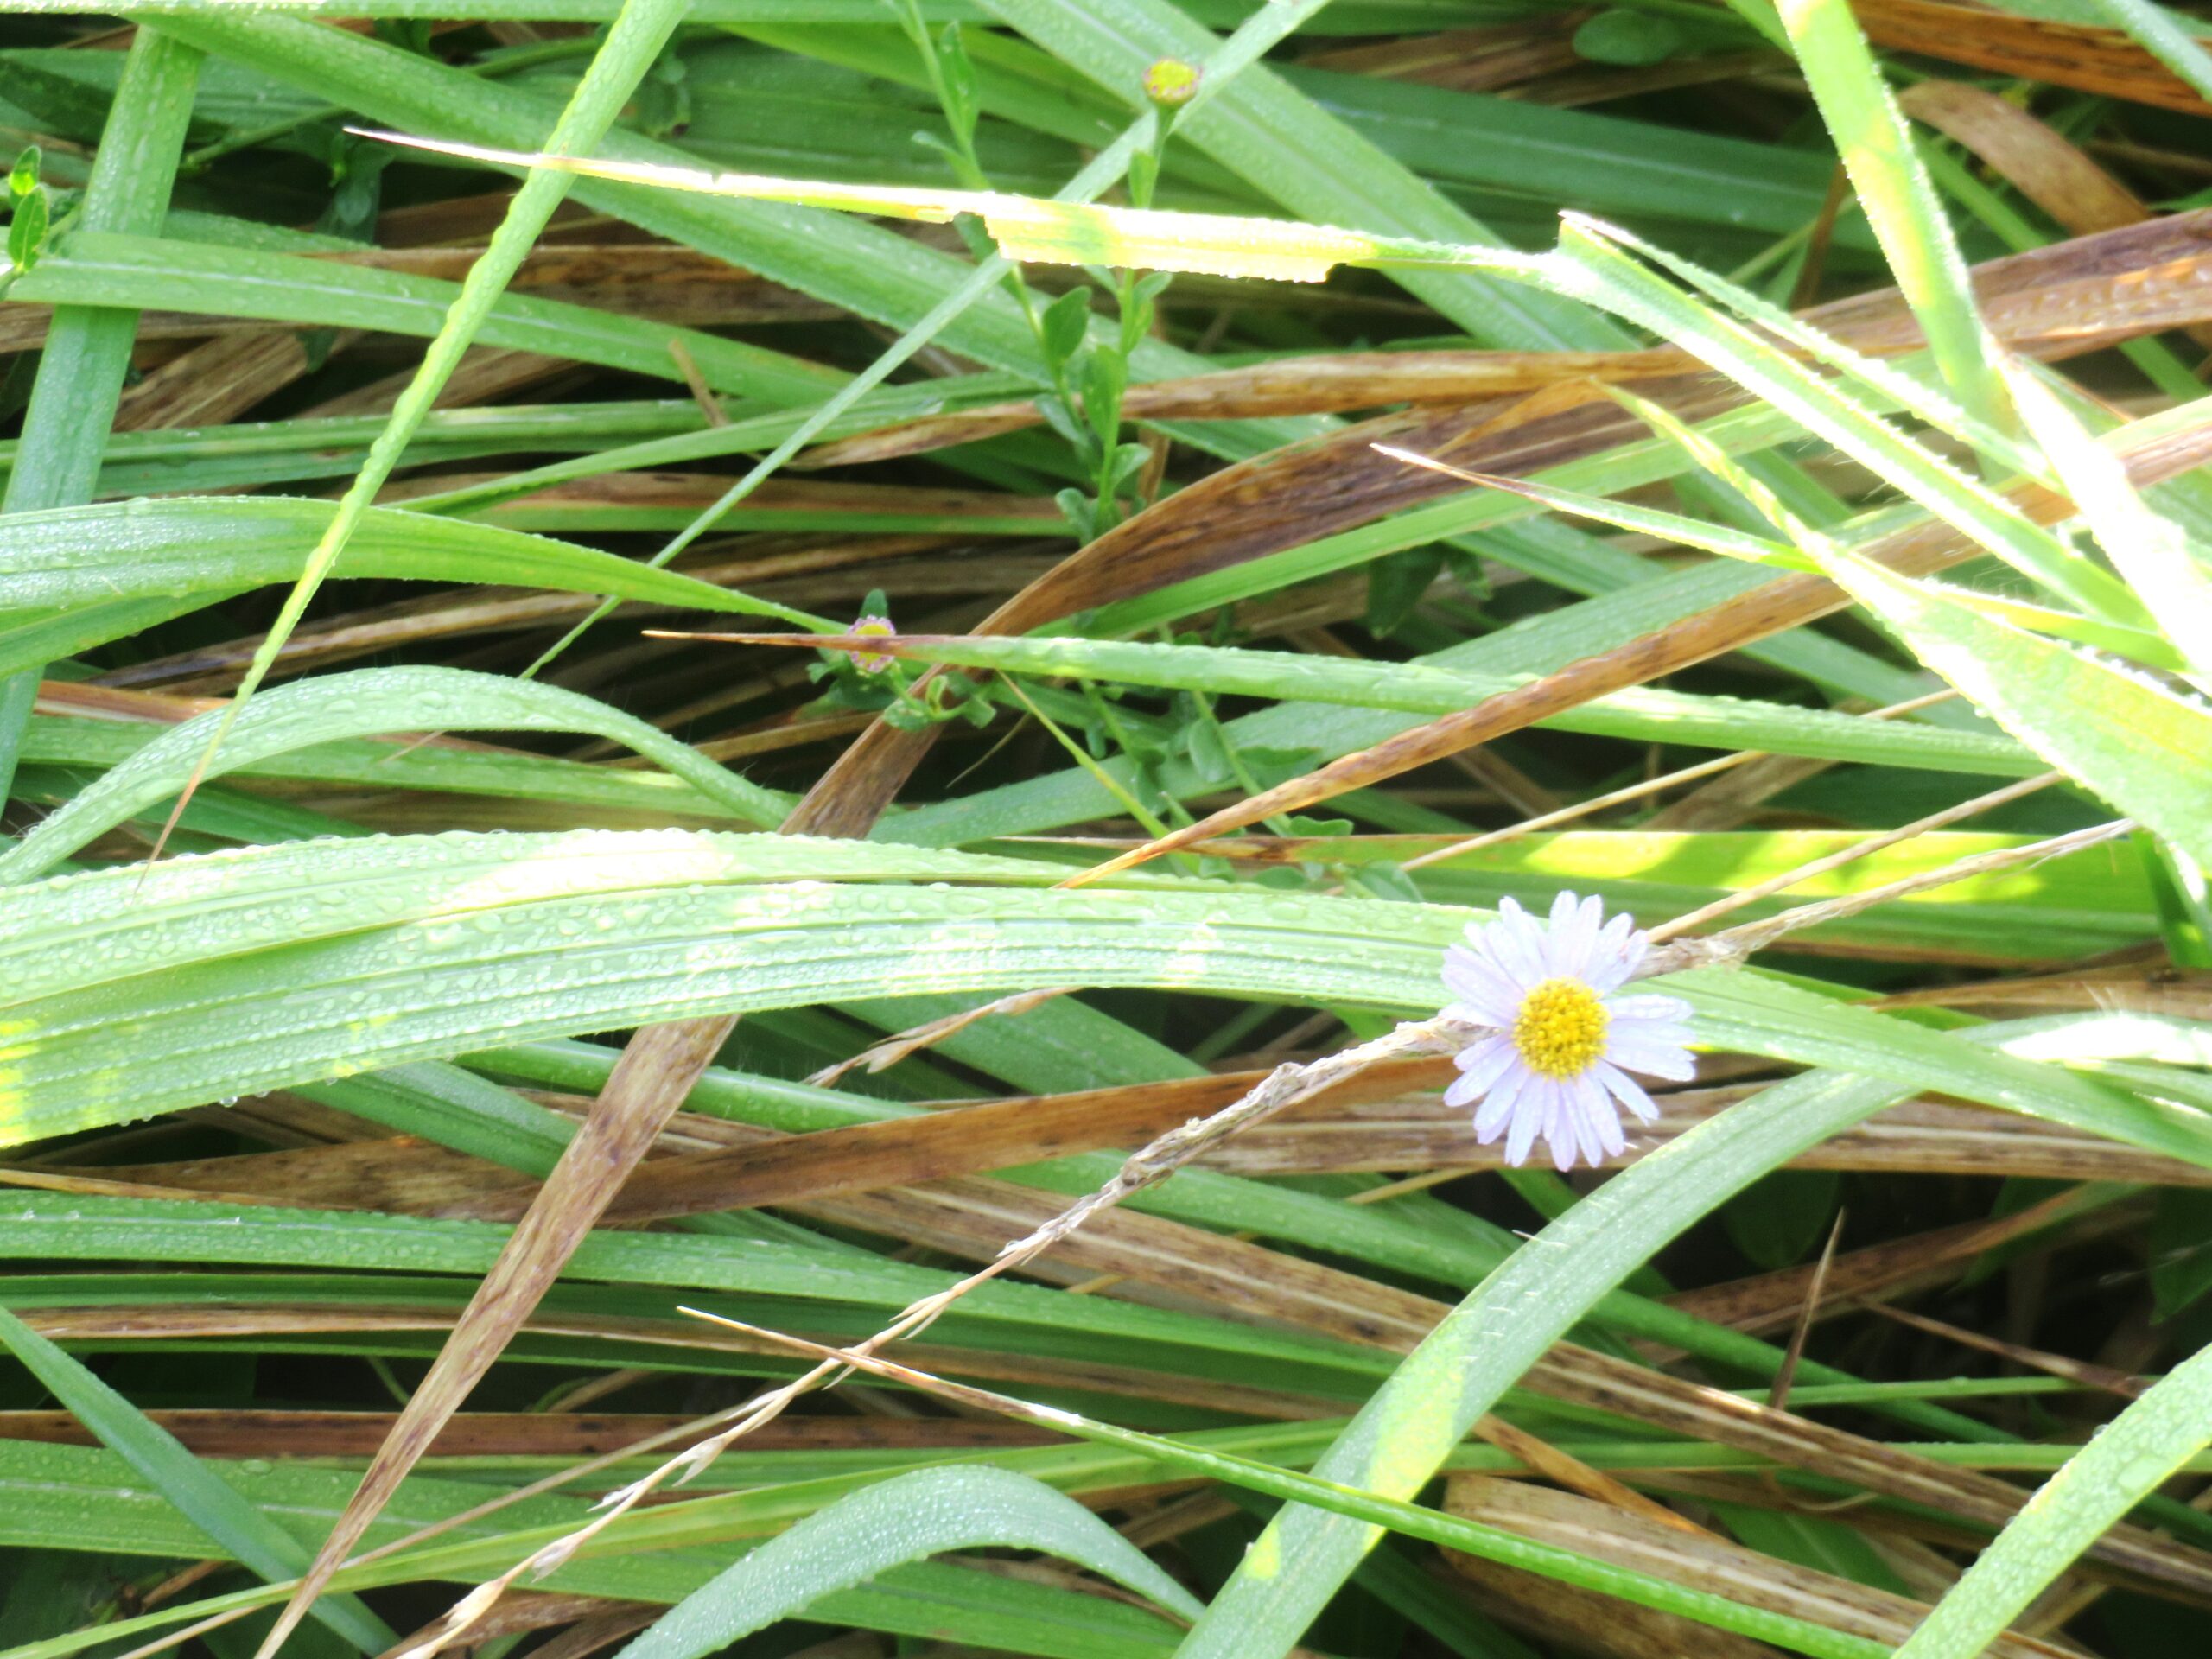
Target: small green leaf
pixel 1630 39
pixel 22 177
pixel 1775 1221
pixel 27 230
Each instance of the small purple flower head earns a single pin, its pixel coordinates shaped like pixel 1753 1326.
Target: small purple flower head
pixel 873 661
pixel 1559 1043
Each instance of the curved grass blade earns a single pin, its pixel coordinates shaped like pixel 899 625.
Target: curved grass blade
pixel 902 1519
pixel 360 703
pixel 1463 1368
pixel 2145 748
pixel 399 949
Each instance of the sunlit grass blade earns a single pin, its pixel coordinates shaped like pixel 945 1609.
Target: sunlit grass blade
pixel 1876 143
pixel 2144 747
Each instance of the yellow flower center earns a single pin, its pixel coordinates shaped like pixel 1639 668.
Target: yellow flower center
pixel 1561 1029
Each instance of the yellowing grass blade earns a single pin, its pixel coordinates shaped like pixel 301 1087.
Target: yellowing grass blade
pixel 1025 227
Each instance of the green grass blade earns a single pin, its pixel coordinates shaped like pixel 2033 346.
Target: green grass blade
pixel 1644 715
pixel 2146 749
pixel 2149 548
pixel 88 349
pixel 196 1490
pixel 882 1526
pixel 212 547
pixel 1876 143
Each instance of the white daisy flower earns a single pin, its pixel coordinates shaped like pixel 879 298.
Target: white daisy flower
pixel 1559 1043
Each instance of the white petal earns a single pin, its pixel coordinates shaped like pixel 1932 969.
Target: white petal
pixel 1497 1105
pixel 1530 1113
pixel 1671 1008
pixel 1616 955
pixel 1640 1052
pixel 1626 1089
pixel 1574 931
pixel 1481 1065
pixel 1516 945
pixel 1596 1122
pixel 1481 986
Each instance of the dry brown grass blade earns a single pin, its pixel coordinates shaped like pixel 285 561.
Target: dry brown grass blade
pixel 217 380
pixel 2072 296
pixel 1477 60
pixel 279 1321
pixel 2091 59
pixel 629 1117
pixel 1710 1563
pixel 764 563
pixel 1567 1619
pixel 2033 157
pixel 801 499
pixel 1294 385
pixel 2103 1378
pixel 2030 155
pixel 2053 312
pixel 1778 606
pixel 1767 1302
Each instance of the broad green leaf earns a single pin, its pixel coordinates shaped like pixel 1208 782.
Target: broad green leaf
pixel 362 701
pixel 406 948
pixel 882 1526
pixel 195 1490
